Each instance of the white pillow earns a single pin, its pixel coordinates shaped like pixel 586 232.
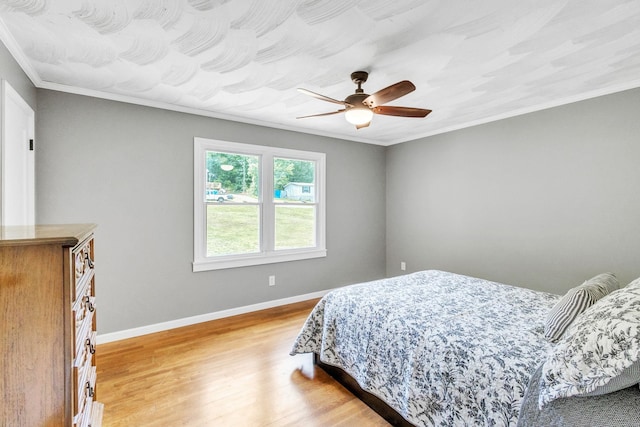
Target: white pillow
pixel 599 345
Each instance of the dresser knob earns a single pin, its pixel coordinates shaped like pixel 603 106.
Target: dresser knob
pixel 87 300
pixel 90 391
pixel 89 261
pixel 92 348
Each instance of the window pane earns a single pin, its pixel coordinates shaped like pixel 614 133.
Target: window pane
pixel 232 229
pixel 231 177
pixel 294 180
pixel 295 226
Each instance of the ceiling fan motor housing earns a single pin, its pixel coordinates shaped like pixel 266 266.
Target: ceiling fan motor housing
pixel 356 100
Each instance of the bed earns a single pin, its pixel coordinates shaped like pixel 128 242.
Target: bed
pixel 434 348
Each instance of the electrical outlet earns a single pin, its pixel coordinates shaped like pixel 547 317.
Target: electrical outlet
pixel 403 265
pixel 272 280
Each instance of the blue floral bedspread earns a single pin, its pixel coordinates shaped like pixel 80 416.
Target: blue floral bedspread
pixel 442 349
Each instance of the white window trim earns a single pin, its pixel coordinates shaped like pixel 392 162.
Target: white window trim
pixel 266 256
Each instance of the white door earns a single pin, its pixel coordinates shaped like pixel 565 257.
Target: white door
pixel 17 171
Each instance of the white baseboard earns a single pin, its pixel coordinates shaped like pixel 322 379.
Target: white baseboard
pixel 178 323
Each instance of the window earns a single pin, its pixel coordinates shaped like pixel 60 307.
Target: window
pixel 256 205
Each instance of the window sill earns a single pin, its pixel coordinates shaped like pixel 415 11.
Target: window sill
pixel 260 259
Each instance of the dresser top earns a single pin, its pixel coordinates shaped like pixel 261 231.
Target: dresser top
pixel 54 234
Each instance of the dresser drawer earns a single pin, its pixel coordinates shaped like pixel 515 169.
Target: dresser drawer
pixel 86 351
pixel 92 417
pixel 84 304
pixel 84 264
pixel 86 380
pixel 83 328
pixel 97 410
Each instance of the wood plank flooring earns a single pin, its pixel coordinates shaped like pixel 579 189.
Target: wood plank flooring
pixel 229 372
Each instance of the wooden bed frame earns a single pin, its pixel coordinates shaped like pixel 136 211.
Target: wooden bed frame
pixel 372 401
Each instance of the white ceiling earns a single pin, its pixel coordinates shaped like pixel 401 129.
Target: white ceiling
pixel 471 61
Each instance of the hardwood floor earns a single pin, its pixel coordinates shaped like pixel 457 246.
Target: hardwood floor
pixel 229 372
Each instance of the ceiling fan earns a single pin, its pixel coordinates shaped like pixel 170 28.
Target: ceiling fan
pixel 360 107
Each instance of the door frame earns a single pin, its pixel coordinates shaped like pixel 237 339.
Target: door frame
pixel 8 93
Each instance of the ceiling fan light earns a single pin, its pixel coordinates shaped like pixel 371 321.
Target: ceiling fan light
pixel 358 116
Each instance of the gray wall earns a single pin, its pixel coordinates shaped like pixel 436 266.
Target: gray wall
pixel 11 72
pixel 543 200
pixel 129 169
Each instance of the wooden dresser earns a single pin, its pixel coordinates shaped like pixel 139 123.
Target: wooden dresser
pixel 48 326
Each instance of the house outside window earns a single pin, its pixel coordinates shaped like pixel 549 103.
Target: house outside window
pixel 300 191
pixel 256 204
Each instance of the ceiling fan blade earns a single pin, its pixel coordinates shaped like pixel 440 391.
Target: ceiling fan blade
pixel 322 114
pixel 389 110
pixel 321 97
pixel 390 93
pixel 364 125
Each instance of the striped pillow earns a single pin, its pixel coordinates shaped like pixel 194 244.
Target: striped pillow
pixel 627 378
pixel 576 301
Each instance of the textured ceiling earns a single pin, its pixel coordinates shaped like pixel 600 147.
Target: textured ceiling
pixel 471 61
